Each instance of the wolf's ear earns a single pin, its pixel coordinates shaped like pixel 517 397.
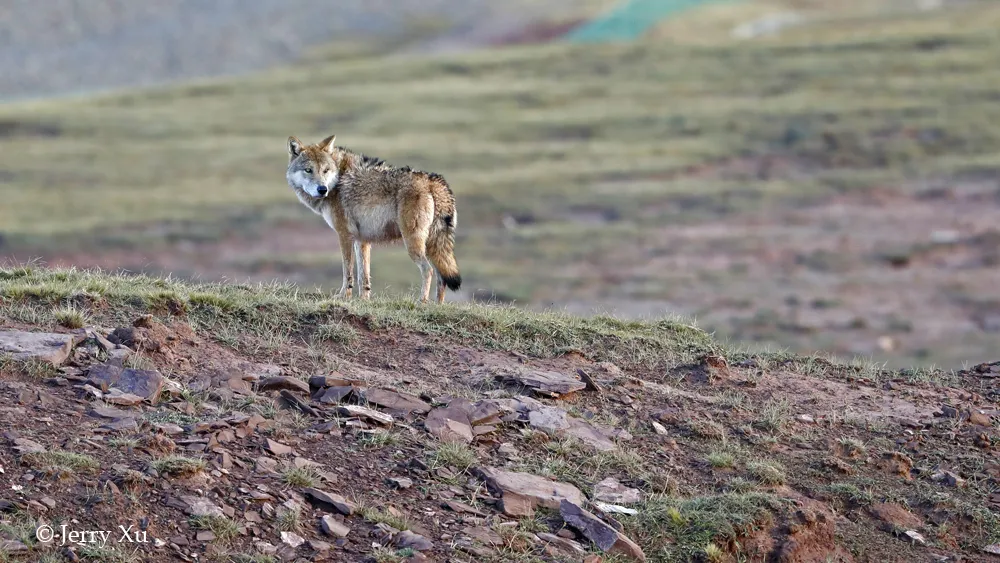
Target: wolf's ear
pixel 294 147
pixel 327 144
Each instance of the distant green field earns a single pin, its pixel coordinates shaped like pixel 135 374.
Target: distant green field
pixel 587 147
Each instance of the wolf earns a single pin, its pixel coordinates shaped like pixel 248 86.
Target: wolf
pixel 365 200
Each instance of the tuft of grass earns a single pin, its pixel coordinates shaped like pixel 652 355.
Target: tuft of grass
pixel 851 493
pixel 380 439
pixel 767 472
pixel 300 477
pixel 224 528
pixel 714 553
pixel 70 317
pixel 290 520
pixel 33 368
pixel 376 516
pixel 679 529
pixel 338 332
pixel 19 526
pixel 454 454
pixel 852 447
pixel 109 554
pixel 707 429
pixel 127 442
pixel 59 460
pixel 252 558
pixel 178 466
pixel 774 416
pixel 721 459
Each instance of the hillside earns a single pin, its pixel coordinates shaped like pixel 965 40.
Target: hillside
pixel 101 45
pixel 266 423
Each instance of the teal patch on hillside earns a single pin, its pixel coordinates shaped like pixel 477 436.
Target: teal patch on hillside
pixel 630 19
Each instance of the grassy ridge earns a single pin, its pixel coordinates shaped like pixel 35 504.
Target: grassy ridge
pixel 263 317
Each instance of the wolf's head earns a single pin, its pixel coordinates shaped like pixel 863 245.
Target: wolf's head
pixel 312 168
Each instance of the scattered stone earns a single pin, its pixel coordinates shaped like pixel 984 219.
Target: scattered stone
pixel 607 508
pixel 589 434
pixel 659 428
pixel 109 412
pixel 546 383
pixel 369 414
pixel 265 548
pixel 993 549
pixel 49 502
pixel 402 403
pixel 320 546
pixel 484 413
pixel 805 418
pixel 333 380
pixel 123 399
pixel 26 446
pixel 409 540
pixel 277 448
pixel 298 403
pixel 333 527
pixel 197 506
pixel 562 543
pixel 599 532
pixel 103 376
pixel 522 492
pixel 333 395
pixel 400 482
pixel 483 535
pixel 292 539
pixel 591 383
pixel 205 536
pixel 265 465
pixel 283 382
pixel 948 478
pixel 451 423
pixel 462 507
pixel 611 490
pixel 145 383
pixel 337 502
pixel 548 419
pixel 916 537
pixel 40 346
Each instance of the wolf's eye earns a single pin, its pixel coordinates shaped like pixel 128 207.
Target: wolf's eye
pixel 325 170
pixel 308 171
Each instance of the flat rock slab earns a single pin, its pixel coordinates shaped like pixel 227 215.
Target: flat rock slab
pixel 197 506
pixel 521 493
pixel 612 491
pixel 451 423
pixel 546 383
pixel 337 502
pixel 146 383
pixel 283 382
pixel 606 538
pixel 41 346
pixel 368 414
pixel 333 528
pixel 395 401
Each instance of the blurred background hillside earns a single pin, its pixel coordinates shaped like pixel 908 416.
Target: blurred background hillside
pixel 805 174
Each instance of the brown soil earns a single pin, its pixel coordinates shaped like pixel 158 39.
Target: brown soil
pixel 889 440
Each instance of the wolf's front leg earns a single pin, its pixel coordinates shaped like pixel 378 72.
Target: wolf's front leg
pixel 363 256
pixel 347 261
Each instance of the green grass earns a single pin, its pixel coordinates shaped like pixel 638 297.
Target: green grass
pixel 61 460
pixel 453 454
pixel 300 477
pixel 224 528
pixel 680 529
pixel 253 310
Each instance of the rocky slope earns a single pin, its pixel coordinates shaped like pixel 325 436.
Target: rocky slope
pixel 238 423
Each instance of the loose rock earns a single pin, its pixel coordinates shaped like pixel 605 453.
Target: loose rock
pixel 407 539
pixel 283 382
pixel 602 534
pixel 611 490
pixel 522 492
pixel 40 346
pixel 332 527
pixel 546 383
pixel 332 500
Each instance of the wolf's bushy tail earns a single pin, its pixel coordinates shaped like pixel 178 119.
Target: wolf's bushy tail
pixel 441 250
